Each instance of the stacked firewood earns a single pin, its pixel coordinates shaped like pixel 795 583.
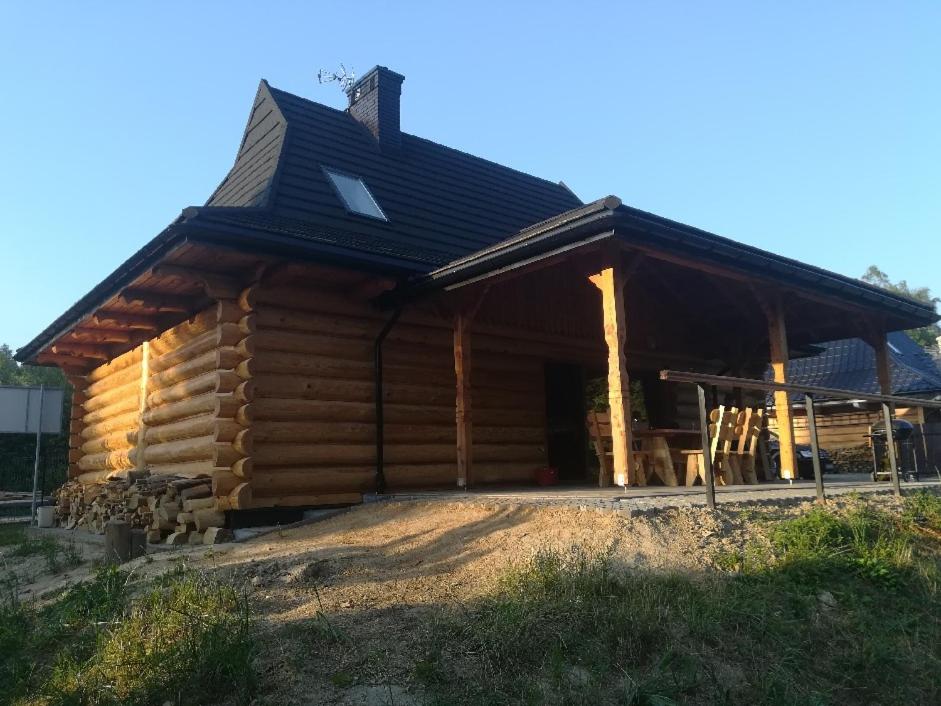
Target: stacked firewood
pixel 172 509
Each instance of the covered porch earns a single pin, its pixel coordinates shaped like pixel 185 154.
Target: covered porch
pixel 613 293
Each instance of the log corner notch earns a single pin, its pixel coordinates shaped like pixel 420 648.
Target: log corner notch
pixel 773 306
pixel 463 415
pixel 611 282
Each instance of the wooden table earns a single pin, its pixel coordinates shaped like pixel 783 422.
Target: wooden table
pixel 654 442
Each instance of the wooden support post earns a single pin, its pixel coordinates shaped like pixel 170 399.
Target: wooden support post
pixel 462 375
pixel 777 335
pixel 880 346
pixel 611 281
pixel 876 338
pixel 142 408
pixel 463 416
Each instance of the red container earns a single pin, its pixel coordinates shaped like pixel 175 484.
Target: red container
pixel 547 476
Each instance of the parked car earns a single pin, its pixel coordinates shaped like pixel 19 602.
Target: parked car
pixel 805 458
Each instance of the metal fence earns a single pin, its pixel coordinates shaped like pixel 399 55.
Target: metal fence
pixel 16 470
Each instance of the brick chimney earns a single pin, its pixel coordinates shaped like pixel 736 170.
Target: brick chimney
pixel 374 101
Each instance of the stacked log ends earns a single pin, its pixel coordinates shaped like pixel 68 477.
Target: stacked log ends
pixel 171 509
pixel 198 396
pixel 76 424
pixel 175 409
pixel 105 419
pixel 236 453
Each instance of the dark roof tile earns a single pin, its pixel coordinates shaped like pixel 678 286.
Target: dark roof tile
pixel 436 198
pixel 850 364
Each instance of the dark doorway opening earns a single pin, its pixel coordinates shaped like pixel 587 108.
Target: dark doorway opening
pixel 566 436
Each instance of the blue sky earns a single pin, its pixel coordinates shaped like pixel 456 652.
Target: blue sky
pixel 807 128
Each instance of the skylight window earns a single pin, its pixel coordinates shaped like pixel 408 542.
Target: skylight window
pixel 354 194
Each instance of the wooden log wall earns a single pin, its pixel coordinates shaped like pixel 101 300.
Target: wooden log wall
pixel 111 398
pixel 198 409
pixel 178 405
pixel 844 430
pixel 314 427
pixel 272 396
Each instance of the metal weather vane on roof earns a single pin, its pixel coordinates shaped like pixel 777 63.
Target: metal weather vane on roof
pixel 345 78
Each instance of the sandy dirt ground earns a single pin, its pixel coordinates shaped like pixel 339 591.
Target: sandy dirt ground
pixel 344 603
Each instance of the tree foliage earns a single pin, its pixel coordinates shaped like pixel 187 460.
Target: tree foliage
pixel 12 373
pixel 16 450
pixel 925 336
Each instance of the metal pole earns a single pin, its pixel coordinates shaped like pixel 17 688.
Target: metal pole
pixel 814 446
pixel 706 452
pixel 890 448
pixel 42 394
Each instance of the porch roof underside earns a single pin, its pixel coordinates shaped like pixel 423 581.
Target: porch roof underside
pixel 737 274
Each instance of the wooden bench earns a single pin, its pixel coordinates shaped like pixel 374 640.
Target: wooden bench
pixel 721 434
pixel 599 429
pixel 742 458
pixel 733 447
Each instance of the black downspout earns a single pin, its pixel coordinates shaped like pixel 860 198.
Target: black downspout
pixel 380 424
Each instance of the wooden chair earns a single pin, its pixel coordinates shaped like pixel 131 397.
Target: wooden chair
pixel 722 427
pixel 742 458
pixel 599 428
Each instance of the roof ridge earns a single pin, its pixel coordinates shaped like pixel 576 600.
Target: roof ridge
pixel 308 100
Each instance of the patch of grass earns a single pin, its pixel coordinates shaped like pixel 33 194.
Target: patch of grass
pixel 185 639
pixel 835 608
pixel 12 533
pixel 923 510
pixel 31 639
pixel 57 555
pixel 342 680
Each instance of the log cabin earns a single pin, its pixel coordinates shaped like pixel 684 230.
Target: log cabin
pixel 356 309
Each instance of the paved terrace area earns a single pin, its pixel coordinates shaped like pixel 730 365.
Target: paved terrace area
pixel 658 497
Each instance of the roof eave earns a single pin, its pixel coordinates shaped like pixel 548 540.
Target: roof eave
pixel 575 228
pixel 196 226
pixel 204 229
pixel 607 217
pixel 167 240
pixel 665 234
